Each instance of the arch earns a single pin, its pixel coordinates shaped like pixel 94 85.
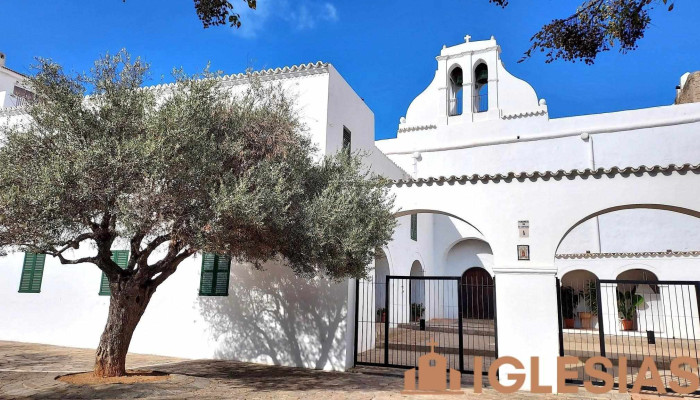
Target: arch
pixel 468 252
pixel 634 265
pixel 403 213
pixel 575 277
pixel 636 274
pixel 417 288
pixel 387 254
pixel 477 294
pixel 578 299
pixel 481 89
pixel 636 316
pixel 417 268
pixel 682 210
pixel 381 270
pixel 456 81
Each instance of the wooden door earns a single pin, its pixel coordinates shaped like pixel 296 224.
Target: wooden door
pixel 477 294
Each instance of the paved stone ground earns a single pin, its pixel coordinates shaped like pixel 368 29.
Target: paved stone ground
pixel 28 371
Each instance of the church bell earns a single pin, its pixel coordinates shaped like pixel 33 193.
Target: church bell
pixel 456 77
pixel 481 74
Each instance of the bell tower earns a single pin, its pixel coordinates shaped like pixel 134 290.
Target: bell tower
pixel 471 85
pixel 470 77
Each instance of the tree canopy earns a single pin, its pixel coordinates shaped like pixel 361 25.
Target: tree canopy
pixel 596 26
pixel 175 170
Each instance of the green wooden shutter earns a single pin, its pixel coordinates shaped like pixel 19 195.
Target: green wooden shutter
pixel 121 257
pixel 215 275
pixel 38 275
pixel 32 273
pixel 414 226
pixel 25 283
pixel 223 267
pixel 206 282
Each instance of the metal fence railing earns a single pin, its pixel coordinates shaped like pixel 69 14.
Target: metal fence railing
pixel 398 318
pixel 630 320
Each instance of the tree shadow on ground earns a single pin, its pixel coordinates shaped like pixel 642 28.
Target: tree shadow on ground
pixel 272 316
pixel 269 378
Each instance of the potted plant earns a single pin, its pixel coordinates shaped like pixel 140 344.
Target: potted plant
pixel 590 299
pixel 381 314
pixel 417 310
pixel 569 301
pixel 627 304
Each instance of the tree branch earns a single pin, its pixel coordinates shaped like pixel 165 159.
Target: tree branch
pixel 78 261
pixel 154 244
pixel 169 268
pixel 135 250
pixel 75 243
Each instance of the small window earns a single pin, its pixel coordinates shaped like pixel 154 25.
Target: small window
pixel 414 226
pixel 433 363
pixel 347 140
pixel 32 273
pixel 121 257
pixel 215 275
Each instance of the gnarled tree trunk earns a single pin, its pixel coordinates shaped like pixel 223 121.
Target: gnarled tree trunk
pixel 127 304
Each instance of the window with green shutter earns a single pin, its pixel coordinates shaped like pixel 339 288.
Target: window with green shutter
pixel 32 273
pixel 121 257
pixel 215 275
pixel 414 226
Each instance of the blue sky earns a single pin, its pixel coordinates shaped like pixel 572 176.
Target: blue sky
pixel 385 49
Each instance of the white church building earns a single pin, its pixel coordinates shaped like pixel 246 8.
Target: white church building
pixel 519 235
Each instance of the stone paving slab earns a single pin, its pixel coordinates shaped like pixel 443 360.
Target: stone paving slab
pixel 23 375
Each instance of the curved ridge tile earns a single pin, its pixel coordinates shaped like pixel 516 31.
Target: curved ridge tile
pixel 615 170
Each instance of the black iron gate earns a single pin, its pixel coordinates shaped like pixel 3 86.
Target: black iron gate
pixel 631 320
pixel 397 317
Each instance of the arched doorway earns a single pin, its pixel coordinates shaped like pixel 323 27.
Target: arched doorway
pixel 417 292
pixel 381 270
pixel 578 301
pixel 639 301
pixel 477 294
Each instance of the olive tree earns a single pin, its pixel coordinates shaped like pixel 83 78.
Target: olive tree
pixel 174 170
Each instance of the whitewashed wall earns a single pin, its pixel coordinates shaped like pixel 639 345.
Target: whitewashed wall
pixel 514 136
pixel 269 316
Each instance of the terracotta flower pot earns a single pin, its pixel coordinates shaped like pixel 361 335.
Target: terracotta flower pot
pixel 627 324
pixel 381 317
pixel 569 323
pixel 586 320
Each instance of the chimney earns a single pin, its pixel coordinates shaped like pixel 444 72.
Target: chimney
pixel 2 59
pixel 689 91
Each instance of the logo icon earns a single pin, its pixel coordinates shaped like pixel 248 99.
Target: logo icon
pixel 432 376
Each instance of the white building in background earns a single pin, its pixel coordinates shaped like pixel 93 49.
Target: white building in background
pixel 12 92
pixel 488 188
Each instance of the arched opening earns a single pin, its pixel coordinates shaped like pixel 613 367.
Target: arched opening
pixel 477 294
pixel 633 228
pixel 455 100
pixel 481 88
pixel 640 277
pixel 381 270
pixel 639 300
pixel 417 292
pixel 578 300
pixel 468 253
